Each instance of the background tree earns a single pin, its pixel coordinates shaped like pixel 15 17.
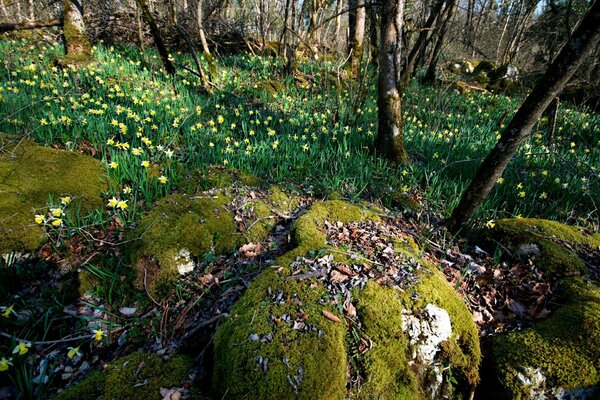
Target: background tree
pixel 581 43
pixel 389 142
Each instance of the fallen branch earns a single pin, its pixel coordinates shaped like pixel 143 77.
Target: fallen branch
pixel 19 26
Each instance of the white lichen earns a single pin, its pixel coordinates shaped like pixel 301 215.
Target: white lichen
pixel 184 261
pixel 426 331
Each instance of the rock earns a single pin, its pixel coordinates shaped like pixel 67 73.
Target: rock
pixel 309 353
pixel 29 175
pixel 135 376
pixel 557 358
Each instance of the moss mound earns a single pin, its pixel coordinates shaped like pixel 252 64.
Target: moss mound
pixel 280 319
pixel 215 178
pixel 560 353
pixel 135 376
pixel 546 240
pixel 259 354
pixel 29 175
pixel 178 229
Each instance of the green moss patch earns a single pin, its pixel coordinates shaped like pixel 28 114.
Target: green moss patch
pixel 215 178
pixel 564 348
pixel 178 229
pixel 277 344
pixel 135 376
pixel 548 238
pixel 29 175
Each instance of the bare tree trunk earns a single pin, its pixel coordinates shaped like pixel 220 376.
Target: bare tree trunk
pixel 447 15
pixel 140 29
pixel 581 43
pixel 212 69
pixel 374 33
pixel 338 19
pixel 160 45
pixel 389 142
pixel 77 44
pixel 31 11
pixel 357 19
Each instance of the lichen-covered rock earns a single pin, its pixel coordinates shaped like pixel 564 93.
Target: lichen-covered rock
pixel 135 376
pixel 29 175
pixel 286 338
pixel 559 357
pixel 545 240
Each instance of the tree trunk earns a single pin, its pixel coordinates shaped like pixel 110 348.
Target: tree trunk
pixel 447 15
pixel 160 45
pixel 77 44
pixel 581 43
pixel 374 33
pixel 212 69
pixel 338 20
pixel 357 19
pixel 389 141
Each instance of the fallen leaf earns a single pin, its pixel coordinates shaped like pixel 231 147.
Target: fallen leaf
pixel 330 316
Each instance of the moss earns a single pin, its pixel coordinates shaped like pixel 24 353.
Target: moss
pixel 319 352
pixel 564 347
pixel 555 259
pixel 121 378
pixel 29 174
pixel 307 229
pixel 196 224
pixel 90 388
pixel 78 47
pixel 214 178
pixel 282 201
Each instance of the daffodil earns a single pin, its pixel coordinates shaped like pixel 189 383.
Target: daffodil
pixel 122 204
pixel 126 190
pixel 500 181
pixel 56 212
pixel 543 195
pixel 5 363
pixel 22 348
pixel 39 219
pixel 491 224
pixel 74 351
pixel 145 164
pixel 65 200
pixel 522 194
pixel 7 311
pixel 98 334
pixel 112 202
pixel 113 165
pixel 162 179
pixel 57 222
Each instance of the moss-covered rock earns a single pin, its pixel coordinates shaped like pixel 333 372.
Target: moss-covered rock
pixel 178 229
pixel 558 355
pixel 262 327
pixel 135 376
pixel 29 175
pixel 215 178
pixel 546 241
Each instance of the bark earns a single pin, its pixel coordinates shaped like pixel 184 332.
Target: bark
pixel 18 26
pixel 212 69
pixel 447 15
pixel 160 45
pixel 374 33
pixel 421 39
pixel 77 44
pixel 338 18
pixel 357 19
pixel 389 141
pixel 581 43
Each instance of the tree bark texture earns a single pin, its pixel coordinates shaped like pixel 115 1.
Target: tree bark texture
pixel 160 45
pixel 389 142
pixel 77 44
pixel 357 19
pixel 581 43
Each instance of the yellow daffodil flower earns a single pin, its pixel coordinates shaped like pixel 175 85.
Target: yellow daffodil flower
pixel 9 310
pixel 112 202
pixel 74 351
pixel 522 194
pixel 57 222
pixel 5 363
pixel 162 179
pixel 122 204
pixel 22 348
pixel 65 200
pixel 500 181
pixel 113 165
pixel 126 190
pixel 145 164
pixel 39 219
pixel 98 334
pixel 491 224
pixel 56 212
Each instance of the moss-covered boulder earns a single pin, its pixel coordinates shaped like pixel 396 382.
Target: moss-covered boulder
pixel 135 376
pixel 29 175
pixel 287 336
pixel 559 357
pixel 554 245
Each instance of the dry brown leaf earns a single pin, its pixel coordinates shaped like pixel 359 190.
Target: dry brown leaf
pixel 332 317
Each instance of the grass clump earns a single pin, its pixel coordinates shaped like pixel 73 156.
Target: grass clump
pixel 564 347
